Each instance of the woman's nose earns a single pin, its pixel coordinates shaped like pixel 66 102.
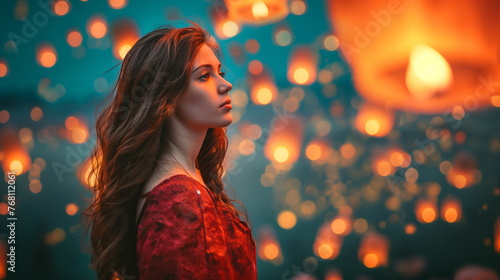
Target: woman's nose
pixel 225 86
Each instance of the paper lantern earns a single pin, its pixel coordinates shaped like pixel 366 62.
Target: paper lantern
pixel 257 11
pixel 451 210
pixel 269 248
pixel 124 34
pixel 302 66
pixel 374 121
pixel 262 87
pixel 285 140
pixel 224 26
pixel 418 56
pixel 425 211
pixel 374 250
pixel 327 244
pixel 15 157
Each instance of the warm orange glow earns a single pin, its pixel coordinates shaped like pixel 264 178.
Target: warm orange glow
pixel 318 150
pixel 74 38
pixel 71 209
pixel 383 42
pixel 302 66
pixel 496 235
pixel 370 260
pixel 287 219
pixel 84 172
pixel 77 131
pixel 333 274
pixel 230 29
pixel 15 157
pixel 410 229
pixel 313 152
pixel 255 67
pixel 451 210
pixel 125 34
pixel 425 211
pixel 46 56
pixel 463 172
pixel 495 99
pixel 4 69
pixel 61 7
pixel 428 72
pixel 327 244
pixel 347 151
pixel 384 168
pixel 281 154
pixel 341 225
pixel 97 27
pixel 374 121
pixel 374 250
pixel 257 11
pixel 263 88
pixel 260 10
pixel 268 247
pixel 117 4
pixel 285 141
pixel 71 122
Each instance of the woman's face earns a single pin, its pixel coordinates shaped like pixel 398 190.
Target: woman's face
pixel 200 106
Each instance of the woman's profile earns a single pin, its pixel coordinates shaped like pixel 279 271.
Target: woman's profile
pixel 160 209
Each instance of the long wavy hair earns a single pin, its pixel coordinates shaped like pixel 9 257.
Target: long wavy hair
pixel 131 134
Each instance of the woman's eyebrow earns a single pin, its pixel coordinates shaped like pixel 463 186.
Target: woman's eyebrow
pixel 205 65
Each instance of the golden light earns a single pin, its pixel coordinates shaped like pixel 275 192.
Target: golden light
pixel 97 27
pixel 77 131
pixel 263 88
pixel 35 186
pixel 425 211
pixel 284 143
pixel 71 209
pixel 84 171
pixel 36 114
pixel 4 69
pixel 15 157
pixel 224 26
pixel 347 151
pixel 327 244
pixel 333 274
pixel 268 246
pixel 341 225
pixel 319 151
pixel 463 172
pixel 451 210
pixel 117 4
pixel 124 33
pixel 230 29
pixel 61 7
pixel 257 11
pixel 298 7
pixel 495 100
pixel 287 219
pixel 255 67
pixel 374 250
pixel 410 229
pixel 302 66
pixel 407 59
pixel 496 235
pixel 46 56
pixel 74 38
pixel 428 72
pixel 374 121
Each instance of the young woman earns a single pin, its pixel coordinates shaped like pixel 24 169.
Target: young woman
pixel 160 209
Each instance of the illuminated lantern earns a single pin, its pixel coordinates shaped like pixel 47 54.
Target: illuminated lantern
pixel 319 151
pixel 374 250
pixel 15 157
pixel 463 172
pixel 257 11
pixel 285 140
pixel 262 87
pixel 224 27
pixel 269 249
pixel 327 244
pixel 404 55
pixel 425 211
pixel 302 66
pixel 496 237
pixel 451 210
pixel 124 33
pixel 97 27
pixel 333 274
pixel 341 225
pixel 374 121
pixel 46 55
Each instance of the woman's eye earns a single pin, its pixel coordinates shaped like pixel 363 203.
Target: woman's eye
pixel 205 76
pixel 222 74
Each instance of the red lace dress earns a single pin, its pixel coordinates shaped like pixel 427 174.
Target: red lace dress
pixel 185 233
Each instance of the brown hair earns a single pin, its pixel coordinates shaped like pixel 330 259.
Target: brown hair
pixel 131 133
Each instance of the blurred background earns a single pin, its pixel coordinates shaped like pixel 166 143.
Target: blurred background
pixel 365 142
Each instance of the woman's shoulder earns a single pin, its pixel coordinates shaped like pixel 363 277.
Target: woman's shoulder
pixel 177 183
